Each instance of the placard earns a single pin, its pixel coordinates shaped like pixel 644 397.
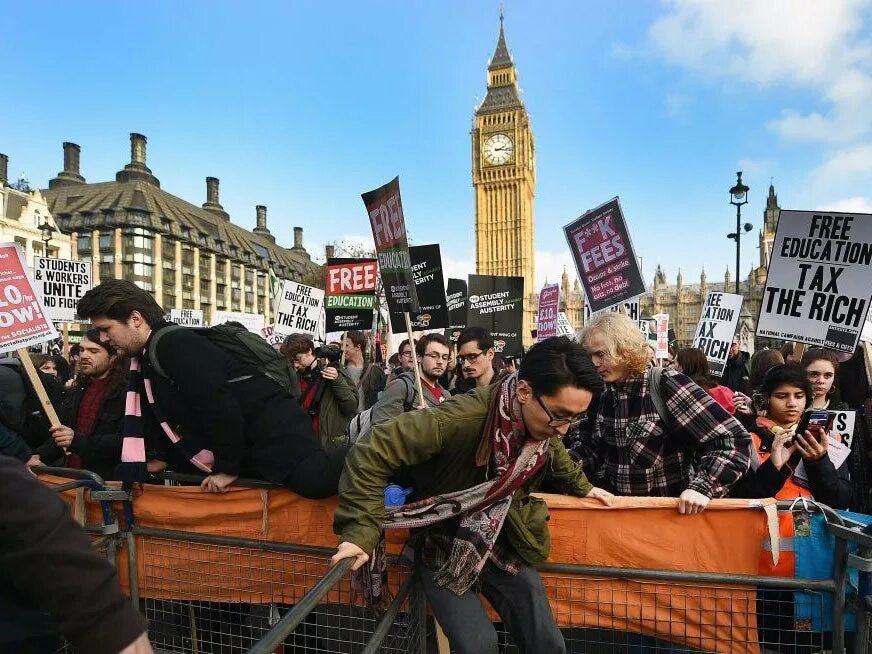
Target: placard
pixel 661 348
pixel 716 328
pixel 430 287
pixel 187 317
pixel 24 321
pixel 385 209
pixel 350 296
pixel 819 280
pixel 496 304
pixel 253 322
pixel 844 423
pixel 455 296
pixel 564 327
pixel 604 258
pixel 61 283
pixel 631 308
pixel 272 337
pixel 298 309
pixel 546 320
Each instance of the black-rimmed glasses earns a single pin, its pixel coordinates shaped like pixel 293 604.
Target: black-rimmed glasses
pixel 556 421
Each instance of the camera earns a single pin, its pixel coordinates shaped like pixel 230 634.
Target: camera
pixel 329 352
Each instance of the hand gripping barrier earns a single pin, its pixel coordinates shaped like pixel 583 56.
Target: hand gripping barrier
pixel 249 571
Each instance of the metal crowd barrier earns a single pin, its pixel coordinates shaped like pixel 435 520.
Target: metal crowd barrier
pixel 205 593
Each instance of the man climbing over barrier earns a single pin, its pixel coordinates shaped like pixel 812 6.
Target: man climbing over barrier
pixel 656 432
pixel 203 408
pixel 473 462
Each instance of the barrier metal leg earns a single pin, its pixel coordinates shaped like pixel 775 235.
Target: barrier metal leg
pixel 840 575
pixel 387 620
pixel 132 570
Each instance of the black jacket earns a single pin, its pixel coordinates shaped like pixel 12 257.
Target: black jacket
pixel 736 373
pixel 100 451
pixel 253 426
pixel 47 566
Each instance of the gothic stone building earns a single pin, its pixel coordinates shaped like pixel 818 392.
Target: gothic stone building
pixel 189 257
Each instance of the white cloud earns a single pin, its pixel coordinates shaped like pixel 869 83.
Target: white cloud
pixel 798 43
pixel 456 268
pixel 550 267
pixel 752 168
pixel 849 205
pixel 845 164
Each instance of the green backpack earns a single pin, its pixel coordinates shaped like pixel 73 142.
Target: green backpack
pixel 243 345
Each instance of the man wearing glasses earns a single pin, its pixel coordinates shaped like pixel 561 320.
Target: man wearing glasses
pixel 473 463
pixel 475 358
pixel 434 355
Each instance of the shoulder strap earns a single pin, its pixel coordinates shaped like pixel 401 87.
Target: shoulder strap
pixel 152 348
pixel 655 373
pixel 408 404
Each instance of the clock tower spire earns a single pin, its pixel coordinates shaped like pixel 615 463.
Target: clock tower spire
pixel 504 179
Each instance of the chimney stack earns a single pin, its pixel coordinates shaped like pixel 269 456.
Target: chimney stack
pixel 70 175
pixel 298 238
pixel 261 227
pixel 330 251
pixel 4 170
pixel 136 170
pixel 212 204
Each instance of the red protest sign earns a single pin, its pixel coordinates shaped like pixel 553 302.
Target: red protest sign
pixel 549 303
pixel 23 319
pixel 357 277
pixel 604 258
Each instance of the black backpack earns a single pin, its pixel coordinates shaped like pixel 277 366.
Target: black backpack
pixel 243 345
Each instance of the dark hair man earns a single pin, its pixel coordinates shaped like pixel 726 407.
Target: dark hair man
pixel 220 415
pixel 475 357
pixel 328 394
pixel 737 372
pixel 91 417
pixel 694 450
pixel 477 458
pixel 367 377
pixel 48 568
pixel 401 395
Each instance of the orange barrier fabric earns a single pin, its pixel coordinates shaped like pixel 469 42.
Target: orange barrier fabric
pixel 634 533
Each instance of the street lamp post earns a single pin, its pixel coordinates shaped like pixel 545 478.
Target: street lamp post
pixel 47 233
pixel 738 197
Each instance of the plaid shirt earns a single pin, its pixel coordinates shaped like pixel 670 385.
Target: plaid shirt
pixel 629 450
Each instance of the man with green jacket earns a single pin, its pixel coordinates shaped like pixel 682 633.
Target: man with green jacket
pixel 473 462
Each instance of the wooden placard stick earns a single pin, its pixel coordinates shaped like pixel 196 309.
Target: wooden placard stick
pixel 36 382
pixel 423 403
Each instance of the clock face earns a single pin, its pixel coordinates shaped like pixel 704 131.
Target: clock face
pixel 498 149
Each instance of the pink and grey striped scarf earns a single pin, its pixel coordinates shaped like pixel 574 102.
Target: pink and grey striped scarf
pixel 133 457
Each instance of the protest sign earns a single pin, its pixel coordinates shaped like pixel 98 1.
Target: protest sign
pixel 819 280
pixel 253 322
pixel 631 308
pixel 604 258
pixel 61 283
pixel 456 299
pixel 298 309
pixel 866 334
pixel 716 328
pixel 187 317
pixel 350 293
pixel 564 327
pixel 661 348
pixel 272 337
pixel 385 209
pixel 427 272
pixel 23 319
pixel 843 424
pixel 546 321
pixel 496 303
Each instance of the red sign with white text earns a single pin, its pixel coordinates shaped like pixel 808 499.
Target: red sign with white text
pixel 23 319
pixel 358 277
pixel 549 303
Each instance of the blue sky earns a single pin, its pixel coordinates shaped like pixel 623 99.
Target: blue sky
pixel 302 106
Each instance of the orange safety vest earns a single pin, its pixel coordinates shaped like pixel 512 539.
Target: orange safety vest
pixel 791 490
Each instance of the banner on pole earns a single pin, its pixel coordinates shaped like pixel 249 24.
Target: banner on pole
pixel 350 297
pixel 496 304
pixel 298 309
pixel 820 275
pixel 456 299
pixel 631 308
pixel 661 348
pixel 385 209
pixel 604 258
pixel 61 283
pixel 24 320
pixel 564 327
pixel 716 328
pixel 430 287
pixel 187 317
pixel 253 322
pixel 549 303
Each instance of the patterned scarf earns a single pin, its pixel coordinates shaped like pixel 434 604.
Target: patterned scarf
pixel 482 509
pixel 132 467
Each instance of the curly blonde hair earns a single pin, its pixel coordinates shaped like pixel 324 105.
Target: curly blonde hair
pixel 624 341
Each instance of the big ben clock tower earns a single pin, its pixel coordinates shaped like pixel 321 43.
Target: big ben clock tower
pixel 504 178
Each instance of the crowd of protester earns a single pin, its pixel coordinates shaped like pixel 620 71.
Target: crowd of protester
pixel 140 396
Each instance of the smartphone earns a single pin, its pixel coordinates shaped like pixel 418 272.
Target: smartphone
pixel 815 421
